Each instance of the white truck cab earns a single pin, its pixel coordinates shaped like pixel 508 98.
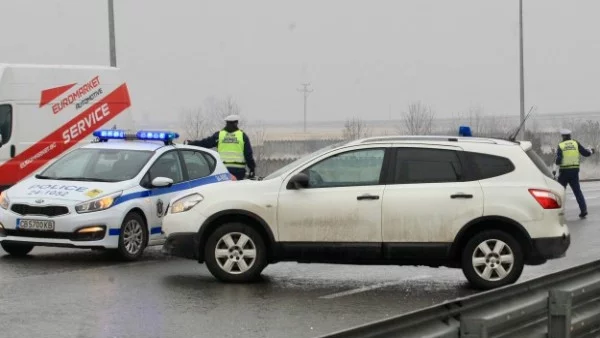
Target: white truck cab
pixel 46 110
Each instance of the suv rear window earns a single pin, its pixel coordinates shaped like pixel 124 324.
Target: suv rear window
pixel 488 166
pixel 539 163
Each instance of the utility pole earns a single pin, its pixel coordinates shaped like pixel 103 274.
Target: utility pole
pixel 521 71
pixel 111 33
pixel 306 92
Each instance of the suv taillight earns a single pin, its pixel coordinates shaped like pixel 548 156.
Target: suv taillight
pixel 547 199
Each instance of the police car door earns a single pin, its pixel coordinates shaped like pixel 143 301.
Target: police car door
pixel 167 165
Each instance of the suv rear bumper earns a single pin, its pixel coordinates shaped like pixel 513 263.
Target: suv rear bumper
pixel 550 247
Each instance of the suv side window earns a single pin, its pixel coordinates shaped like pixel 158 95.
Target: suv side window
pixel 197 164
pixel 352 168
pixel 5 122
pixel 167 165
pixel 488 166
pixel 427 165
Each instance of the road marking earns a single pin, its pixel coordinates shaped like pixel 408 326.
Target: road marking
pixel 372 287
pixel 586 198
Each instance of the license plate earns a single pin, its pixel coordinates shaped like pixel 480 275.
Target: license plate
pixel 34 224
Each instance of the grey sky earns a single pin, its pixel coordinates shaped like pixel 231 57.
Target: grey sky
pixel 361 56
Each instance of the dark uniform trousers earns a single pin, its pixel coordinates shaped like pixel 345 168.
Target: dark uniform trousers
pixel 571 177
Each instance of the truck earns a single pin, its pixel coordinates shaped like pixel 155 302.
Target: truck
pixel 46 110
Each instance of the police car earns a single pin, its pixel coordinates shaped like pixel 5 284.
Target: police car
pixel 110 194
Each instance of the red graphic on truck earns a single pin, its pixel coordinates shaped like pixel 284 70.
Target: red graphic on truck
pixel 81 93
pixel 69 134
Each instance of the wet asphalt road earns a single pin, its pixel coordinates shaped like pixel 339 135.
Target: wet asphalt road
pixel 81 293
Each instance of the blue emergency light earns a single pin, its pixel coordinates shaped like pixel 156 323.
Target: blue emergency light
pixel 157 135
pixel 147 135
pixel 464 131
pixel 107 134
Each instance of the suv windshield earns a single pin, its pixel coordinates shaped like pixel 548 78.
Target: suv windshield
pixel 301 160
pixel 99 165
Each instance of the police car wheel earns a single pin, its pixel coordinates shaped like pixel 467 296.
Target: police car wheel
pixel 133 237
pixel 235 253
pixel 17 249
pixel 492 259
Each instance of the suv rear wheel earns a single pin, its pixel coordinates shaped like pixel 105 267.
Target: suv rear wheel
pixel 492 259
pixel 235 253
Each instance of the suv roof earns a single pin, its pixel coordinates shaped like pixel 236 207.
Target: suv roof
pixel 438 139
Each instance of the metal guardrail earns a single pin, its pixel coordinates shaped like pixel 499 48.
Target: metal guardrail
pixel 559 305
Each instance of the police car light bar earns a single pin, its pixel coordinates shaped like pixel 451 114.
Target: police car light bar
pixel 464 131
pixel 146 135
pixel 157 135
pixel 114 134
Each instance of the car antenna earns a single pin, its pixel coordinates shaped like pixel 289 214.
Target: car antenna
pixel 513 137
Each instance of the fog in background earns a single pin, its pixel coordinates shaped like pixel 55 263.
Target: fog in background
pixel 367 59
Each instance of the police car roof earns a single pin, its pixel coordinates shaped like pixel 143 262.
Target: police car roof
pixel 127 145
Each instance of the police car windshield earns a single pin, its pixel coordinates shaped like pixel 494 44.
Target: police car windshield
pixel 97 165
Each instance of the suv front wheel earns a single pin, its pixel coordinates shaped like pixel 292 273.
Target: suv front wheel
pixel 235 252
pixel 492 259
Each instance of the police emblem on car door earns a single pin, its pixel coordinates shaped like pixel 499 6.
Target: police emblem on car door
pixel 159 208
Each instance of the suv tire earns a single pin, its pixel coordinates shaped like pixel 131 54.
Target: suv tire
pixel 17 249
pixel 491 259
pixel 235 253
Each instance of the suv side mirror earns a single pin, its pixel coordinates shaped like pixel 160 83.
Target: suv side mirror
pixel 162 182
pixel 298 181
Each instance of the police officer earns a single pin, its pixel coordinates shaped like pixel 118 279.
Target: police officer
pixel 233 145
pixel 567 158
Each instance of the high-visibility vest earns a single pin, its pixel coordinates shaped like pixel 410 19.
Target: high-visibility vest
pixel 231 148
pixel 570 154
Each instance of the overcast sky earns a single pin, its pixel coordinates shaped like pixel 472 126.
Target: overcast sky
pixel 362 57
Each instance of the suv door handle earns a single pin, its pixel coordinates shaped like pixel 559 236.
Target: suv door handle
pixel 367 197
pixel 461 195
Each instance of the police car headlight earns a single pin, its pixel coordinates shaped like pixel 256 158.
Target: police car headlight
pixel 97 204
pixel 4 201
pixel 186 203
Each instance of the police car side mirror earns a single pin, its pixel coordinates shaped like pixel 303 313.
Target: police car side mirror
pixel 162 182
pixel 298 181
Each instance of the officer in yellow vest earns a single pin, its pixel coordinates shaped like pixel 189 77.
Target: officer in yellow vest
pixel 233 145
pixel 567 158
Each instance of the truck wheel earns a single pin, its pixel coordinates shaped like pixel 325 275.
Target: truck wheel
pixel 17 249
pixel 133 237
pixel 492 259
pixel 235 253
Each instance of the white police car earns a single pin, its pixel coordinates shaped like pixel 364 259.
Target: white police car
pixel 111 194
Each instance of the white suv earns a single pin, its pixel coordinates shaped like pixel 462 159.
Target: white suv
pixel 487 206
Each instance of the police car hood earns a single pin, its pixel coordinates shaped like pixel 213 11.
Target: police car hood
pixel 58 190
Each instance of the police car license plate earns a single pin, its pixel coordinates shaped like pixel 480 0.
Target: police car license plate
pixel 34 224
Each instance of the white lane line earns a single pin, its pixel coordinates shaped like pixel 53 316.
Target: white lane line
pixel 586 198
pixel 372 287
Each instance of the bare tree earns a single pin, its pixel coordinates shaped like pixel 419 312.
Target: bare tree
pixel 476 120
pixel 590 135
pixel 217 109
pixel 419 119
pixel 258 136
pixel 194 123
pixel 354 129
pixel 198 123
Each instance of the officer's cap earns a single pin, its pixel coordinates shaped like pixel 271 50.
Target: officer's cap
pixel 232 118
pixel 565 131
